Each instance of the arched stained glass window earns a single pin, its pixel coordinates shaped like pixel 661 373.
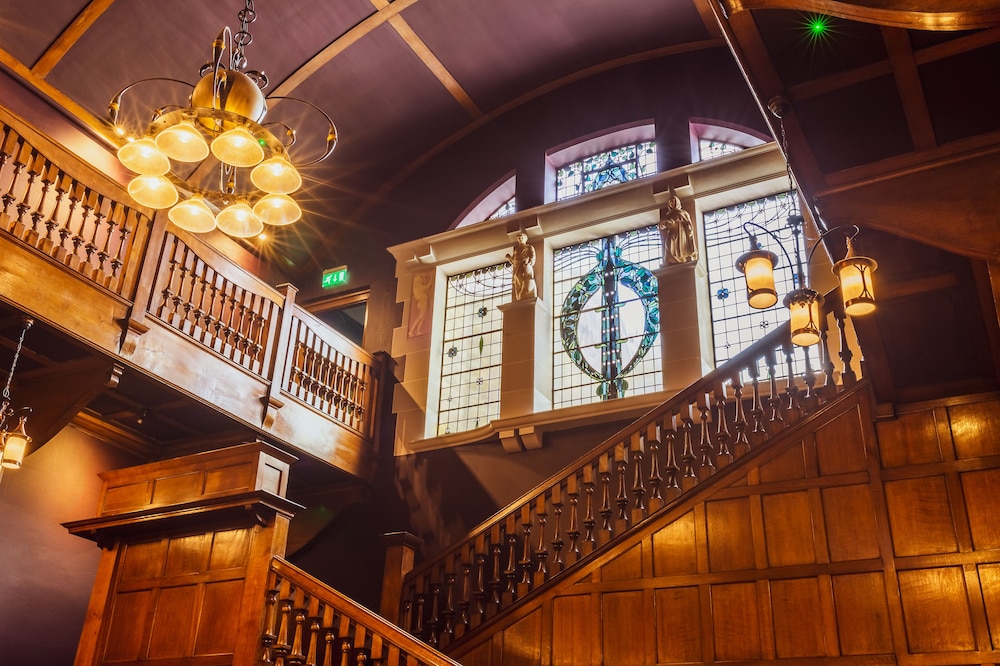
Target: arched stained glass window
pixel 710 149
pixel 606 332
pixel 508 207
pixel 611 167
pixel 470 362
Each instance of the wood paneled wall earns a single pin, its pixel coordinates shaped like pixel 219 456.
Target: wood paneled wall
pixel 850 542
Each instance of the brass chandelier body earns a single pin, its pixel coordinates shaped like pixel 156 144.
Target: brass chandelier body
pixel 222 124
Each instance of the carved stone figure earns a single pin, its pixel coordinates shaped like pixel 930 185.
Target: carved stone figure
pixel 420 304
pixel 677 232
pixel 522 261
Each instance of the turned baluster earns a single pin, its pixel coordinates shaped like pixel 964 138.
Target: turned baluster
pixel 810 400
pixel 6 147
pixel 706 466
pixel 448 613
pixel 270 618
pixel 65 231
pixel 741 445
pixel 847 374
pixel 723 455
pixel 621 498
pixel 282 646
pixel 51 223
pixel 79 236
pixel 97 208
pixel 176 318
pixel 329 638
pixel 315 626
pixel 638 483
pixel 418 625
pixel 24 205
pixel 496 581
pixel 345 653
pixel 793 410
pixel 406 614
pixel 199 307
pixel 163 312
pixel 466 588
pixel 669 440
pixel 434 622
pixel 542 551
pixel 298 656
pixel 829 389
pixel 510 573
pixel 604 468
pixel 211 320
pixel 48 170
pixel 589 521
pixel 655 478
pixel 480 594
pixel 557 540
pixel 19 148
pixel 776 422
pixel 573 532
pixel 757 433
pixel 689 477
pixel 123 233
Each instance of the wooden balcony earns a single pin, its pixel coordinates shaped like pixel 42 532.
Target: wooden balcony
pixel 141 300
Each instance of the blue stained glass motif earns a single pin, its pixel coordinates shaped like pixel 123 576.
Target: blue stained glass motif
pixel 722 293
pixel 612 167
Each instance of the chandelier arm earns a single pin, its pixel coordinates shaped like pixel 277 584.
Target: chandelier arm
pixel 331 136
pixel 753 240
pixel 850 237
pixel 114 106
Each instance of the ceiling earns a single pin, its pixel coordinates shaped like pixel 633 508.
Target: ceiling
pixel 896 101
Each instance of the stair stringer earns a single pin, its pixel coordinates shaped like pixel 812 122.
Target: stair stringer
pixel 741 568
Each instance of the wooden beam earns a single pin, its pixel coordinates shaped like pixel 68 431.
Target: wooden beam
pixel 69 37
pixel 920 14
pixel 911 90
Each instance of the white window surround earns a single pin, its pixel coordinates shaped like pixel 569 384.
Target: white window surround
pixel 494 197
pixel 704 186
pixel 713 130
pixel 580 148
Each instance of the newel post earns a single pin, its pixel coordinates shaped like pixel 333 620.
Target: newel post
pixel 281 358
pixel 400 548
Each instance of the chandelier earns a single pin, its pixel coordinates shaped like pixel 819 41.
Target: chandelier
pixel 854 272
pixel 13 441
pixel 221 133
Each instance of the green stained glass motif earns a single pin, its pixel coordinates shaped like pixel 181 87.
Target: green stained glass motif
pixel 508 207
pixel 471 364
pixel 710 149
pixel 606 334
pixel 612 167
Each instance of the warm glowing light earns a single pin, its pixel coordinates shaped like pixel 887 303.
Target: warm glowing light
pixel 238 147
pixel 143 156
pixel 276 175
pixel 757 267
pixel 856 284
pixel 803 318
pixel 153 191
pixel 193 215
pixel 239 220
pixel 15 445
pixel 183 142
pixel 277 210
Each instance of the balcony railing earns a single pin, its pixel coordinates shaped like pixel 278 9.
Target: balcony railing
pixel 625 482
pixel 180 297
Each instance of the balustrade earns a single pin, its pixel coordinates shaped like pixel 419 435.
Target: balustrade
pixel 622 484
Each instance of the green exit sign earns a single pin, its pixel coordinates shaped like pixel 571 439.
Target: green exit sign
pixel 334 277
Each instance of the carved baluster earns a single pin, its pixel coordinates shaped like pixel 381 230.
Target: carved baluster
pixel 48 171
pixel 329 638
pixel 19 148
pixel 165 311
pixel 670 463
pixel 345 653
pixel 810 399
pixel 123 233
pixel 655 478
pixel 741 445
pixel 448 613
pixel 757 433
pixel 466 587
pixel 201 282
pixel 97 207
pixel 510 573
pixel 407 612
pixel 496 582
pixel 270 618
pixel 604 468
pixel 689 477
pixel 829 390
pixel 621 498
pixel 573 532
pixel 557 540
pixel 723 456
pixel 315 626
pixel 775 423
pixel 541 551
pixel 7 147
pixel 58 179
pixel 74 189
pixel 638 483
pixel 480 594
pixel 25 204
pixel 434 622
pixel 282 644
pixel 706 466
pixel 211 330
pixel 793 410
pixel 847 374
pixel 589 521
pixel 297 656
pixel 418 624
pixel 79 236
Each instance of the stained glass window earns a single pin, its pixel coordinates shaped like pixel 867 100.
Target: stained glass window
pixel 710 148
pixel 735 324
pixel 470 362
pixel 606 330
pixel 612 167
pixel 508 207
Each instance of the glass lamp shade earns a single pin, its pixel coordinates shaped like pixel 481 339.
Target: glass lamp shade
pixel 277 210
pixel 239 220
pixel 15 443
pixel 237 147
pixel 757 267
pixel 193 215
pixel 153 191
pixel 276 175
pixel 145 157
pixel 183 142
pixel 803 318
pixel 856 284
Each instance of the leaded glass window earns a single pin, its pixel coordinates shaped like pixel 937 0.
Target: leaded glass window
pixel 470 362
pixel 710 148
pixel 735 324
pixel 607 328
pixel 508 207
pixel 615 166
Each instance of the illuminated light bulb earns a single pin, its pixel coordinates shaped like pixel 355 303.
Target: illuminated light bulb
pixel 757 267
pixel 239 220
pixel 153 191
pixel 857 287
pixel 276 175
pixel 193 215
pixel 277 210
pixel 183 142
pixel 803 319
pixel 143 156
pixel 238 147
pixel 15 444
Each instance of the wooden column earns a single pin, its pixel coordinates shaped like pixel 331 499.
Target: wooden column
pixel 186 544
pixel 400 548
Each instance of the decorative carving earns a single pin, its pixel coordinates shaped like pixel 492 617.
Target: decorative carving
pixel 420 304
pixel 677 232
pixel 522 261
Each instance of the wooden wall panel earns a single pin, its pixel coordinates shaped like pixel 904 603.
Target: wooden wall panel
pixel 989 576
pixel 572 636
pixel 522 642
pixel 791 464
pixel 173 627
pixel 625 619
pixel 627 566
pixel 909 439
pixel 849 516
pixel 920 516
pixel 219 601
pixel 679 637
pixel 840 445
pixel 862 614
pixel 976 429
pixel 981 490
pixel 730 539
pixel 936 610
pixel 788 529
pixel 675 548
pixel 129 614
pixel 798 618
pixel 736 631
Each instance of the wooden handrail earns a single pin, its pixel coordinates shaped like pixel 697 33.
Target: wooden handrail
pixel 624 482
pixel 308 622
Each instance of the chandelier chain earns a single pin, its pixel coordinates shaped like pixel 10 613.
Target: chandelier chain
pixel 17 355
pixel 243 38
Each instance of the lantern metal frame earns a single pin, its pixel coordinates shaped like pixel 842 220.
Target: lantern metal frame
pixel 14 440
